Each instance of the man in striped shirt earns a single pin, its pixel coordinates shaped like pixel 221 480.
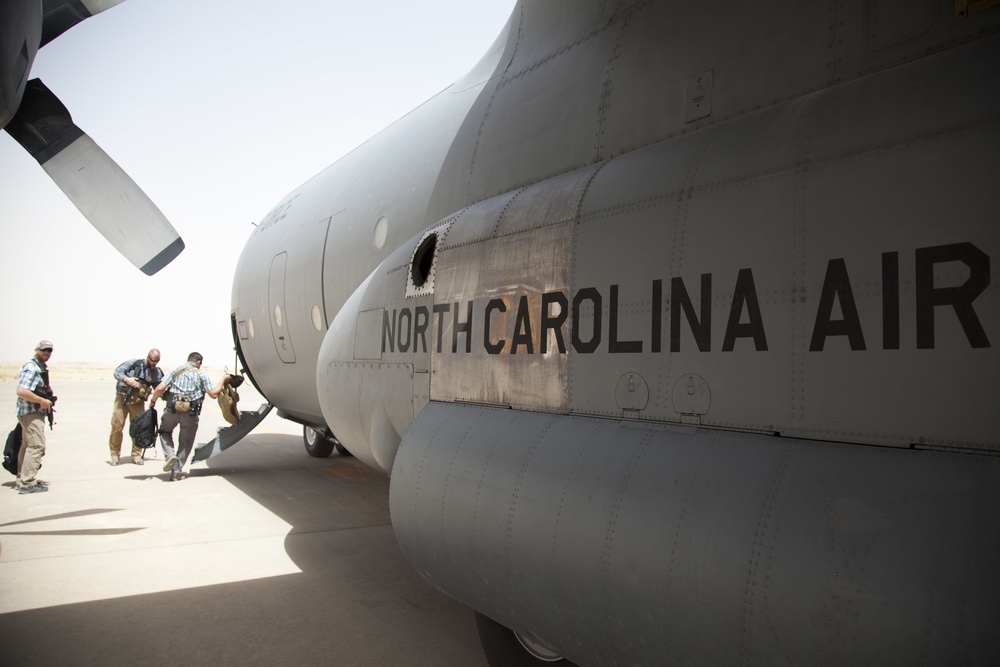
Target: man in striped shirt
pixel 33 406
pixel 188 386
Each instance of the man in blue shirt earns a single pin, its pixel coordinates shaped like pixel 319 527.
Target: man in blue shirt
pixel 136 379
pixel 33 405
pixel 188 387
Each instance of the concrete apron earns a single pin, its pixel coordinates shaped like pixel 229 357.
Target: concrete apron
pixel 262 554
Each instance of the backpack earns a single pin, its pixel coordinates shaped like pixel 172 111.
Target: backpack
pixel 143 428
pixel 12 449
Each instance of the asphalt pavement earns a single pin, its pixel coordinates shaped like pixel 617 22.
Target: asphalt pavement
pixel 262 556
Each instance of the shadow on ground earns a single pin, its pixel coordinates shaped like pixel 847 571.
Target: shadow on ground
pixel 355 602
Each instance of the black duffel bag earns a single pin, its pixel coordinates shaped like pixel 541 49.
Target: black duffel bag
pixel 12 449
pixel 144 429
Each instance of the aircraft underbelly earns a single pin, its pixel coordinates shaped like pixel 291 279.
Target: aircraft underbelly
pixel 624 543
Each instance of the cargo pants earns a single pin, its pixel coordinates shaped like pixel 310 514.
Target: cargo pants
pixel 29 460
pixel 133 409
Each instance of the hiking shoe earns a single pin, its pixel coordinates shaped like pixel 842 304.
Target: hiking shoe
pixel 138 461
pixel 34 488
pixel 114 460
pixel 169 465
pixel 175 477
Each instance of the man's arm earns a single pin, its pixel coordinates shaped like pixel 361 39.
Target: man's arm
pixel 215 391
pixel 121 373
pixel 160 388
pixel 32 397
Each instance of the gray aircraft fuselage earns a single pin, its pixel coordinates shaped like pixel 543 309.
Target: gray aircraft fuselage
pixel 674 324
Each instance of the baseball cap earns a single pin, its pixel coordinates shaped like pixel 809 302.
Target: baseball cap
pixel 44 345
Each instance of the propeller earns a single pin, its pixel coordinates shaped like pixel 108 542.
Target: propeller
pixel 113 203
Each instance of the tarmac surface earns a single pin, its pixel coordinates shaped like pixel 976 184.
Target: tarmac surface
pixel 263 555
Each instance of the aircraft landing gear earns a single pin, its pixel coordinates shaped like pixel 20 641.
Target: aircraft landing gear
pixel 321 444
pixel 317 444
pixel 505 648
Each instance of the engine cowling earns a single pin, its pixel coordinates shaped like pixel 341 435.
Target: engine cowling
pixel 368 398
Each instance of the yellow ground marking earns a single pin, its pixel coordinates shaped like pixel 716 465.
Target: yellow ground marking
pixel 352 470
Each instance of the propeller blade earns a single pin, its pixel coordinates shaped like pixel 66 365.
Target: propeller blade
pixel 103 192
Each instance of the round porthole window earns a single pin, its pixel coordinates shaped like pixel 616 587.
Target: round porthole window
pixel 317 318
pixel 381 232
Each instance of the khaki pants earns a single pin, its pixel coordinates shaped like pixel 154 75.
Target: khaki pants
pixel 29 461
pixel 134 408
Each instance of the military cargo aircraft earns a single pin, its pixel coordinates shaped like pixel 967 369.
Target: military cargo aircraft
pixel 673 324
pixel 112 202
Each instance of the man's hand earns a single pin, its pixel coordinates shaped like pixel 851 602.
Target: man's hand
pixel 132 382
pixel 44 403
pixel 160 388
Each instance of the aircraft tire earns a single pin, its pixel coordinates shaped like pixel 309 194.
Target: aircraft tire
pixel 503 648
pixel 316 443
pixel 343 451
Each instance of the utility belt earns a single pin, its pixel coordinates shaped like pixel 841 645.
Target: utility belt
pixel 133 395
pixel 182 404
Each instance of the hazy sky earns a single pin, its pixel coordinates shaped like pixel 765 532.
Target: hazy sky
pixel 217 109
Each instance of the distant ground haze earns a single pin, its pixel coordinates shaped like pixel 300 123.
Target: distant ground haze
pixel 84 372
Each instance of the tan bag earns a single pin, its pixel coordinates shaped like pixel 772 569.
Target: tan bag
pixel 183 403
pixel 228 399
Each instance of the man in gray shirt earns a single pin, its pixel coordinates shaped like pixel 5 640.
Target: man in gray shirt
pixel 136 380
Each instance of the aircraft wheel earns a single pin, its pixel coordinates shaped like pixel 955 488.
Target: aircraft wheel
pixel 343 451
pixel 317 444
pixel 505 648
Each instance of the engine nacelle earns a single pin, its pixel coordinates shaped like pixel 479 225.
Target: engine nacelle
pixel 616 543
pixel 369 401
